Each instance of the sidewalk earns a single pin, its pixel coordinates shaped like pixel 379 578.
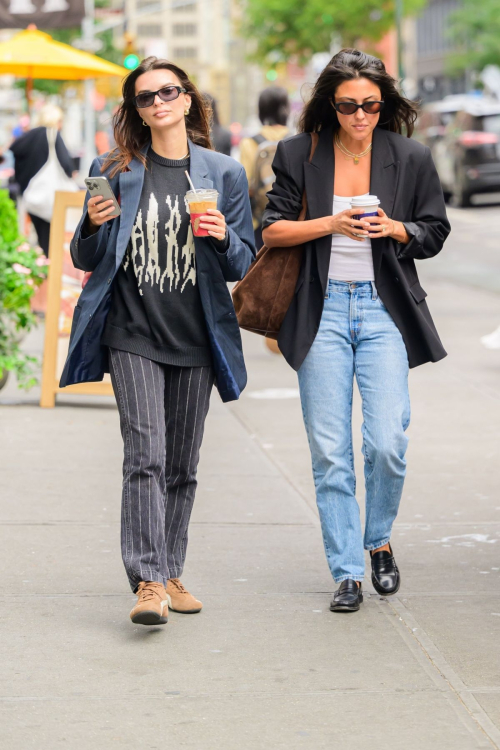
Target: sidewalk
pixel 265 665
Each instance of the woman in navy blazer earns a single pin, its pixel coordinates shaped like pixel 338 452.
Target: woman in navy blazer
pixel 161 129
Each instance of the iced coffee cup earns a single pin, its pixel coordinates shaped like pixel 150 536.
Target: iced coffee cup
pixel 368 206
pixel 198 204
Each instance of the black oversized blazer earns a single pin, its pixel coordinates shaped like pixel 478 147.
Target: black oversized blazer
pixel 404 178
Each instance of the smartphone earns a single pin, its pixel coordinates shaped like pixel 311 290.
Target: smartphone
pixel 100 186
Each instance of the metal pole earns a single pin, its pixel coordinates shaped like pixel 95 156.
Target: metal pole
pixel 399 20
pixel 89 152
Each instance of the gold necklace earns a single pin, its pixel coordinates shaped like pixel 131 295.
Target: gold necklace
pixel 348 154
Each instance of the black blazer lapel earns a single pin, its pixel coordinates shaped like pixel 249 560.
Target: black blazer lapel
pixel 384 184
pixel 319 177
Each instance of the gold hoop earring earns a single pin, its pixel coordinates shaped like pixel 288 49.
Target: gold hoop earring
pixel 145 124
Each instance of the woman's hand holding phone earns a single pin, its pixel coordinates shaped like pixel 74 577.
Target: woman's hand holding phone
pixel 99 211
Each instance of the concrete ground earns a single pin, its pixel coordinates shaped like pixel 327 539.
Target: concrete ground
pixel 266 665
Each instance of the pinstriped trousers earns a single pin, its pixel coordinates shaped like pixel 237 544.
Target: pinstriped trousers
pixel 162 416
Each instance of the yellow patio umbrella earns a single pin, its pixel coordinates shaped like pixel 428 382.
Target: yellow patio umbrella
pixel 34 54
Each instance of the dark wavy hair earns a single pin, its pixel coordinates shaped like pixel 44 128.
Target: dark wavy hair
pixel 129 132
pixel 397 115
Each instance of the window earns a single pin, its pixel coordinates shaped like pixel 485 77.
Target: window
pixel 432 27
pixel 180 6
pixel 490 124
pixel 149 30
pixel 184 29
pixel 184 52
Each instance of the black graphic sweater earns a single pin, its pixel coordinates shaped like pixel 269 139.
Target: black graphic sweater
pixel 156 308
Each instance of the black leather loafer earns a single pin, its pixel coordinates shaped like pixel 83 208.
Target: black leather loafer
pixel 348 597
pixel 385 574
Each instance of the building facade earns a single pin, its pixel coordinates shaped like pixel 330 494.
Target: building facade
pixel 428 50
pixel 201 37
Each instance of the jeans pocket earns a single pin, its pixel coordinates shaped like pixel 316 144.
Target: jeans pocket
pixel 381 304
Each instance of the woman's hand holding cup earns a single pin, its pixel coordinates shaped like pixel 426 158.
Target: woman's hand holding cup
pixel 381 225
pixel 215 223
pixel 343 223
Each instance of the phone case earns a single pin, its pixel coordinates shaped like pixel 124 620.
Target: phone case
pixel 101 186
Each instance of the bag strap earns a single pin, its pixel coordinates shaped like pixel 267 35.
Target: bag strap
pixel 51 138
pixel 314 143
pixel 259 138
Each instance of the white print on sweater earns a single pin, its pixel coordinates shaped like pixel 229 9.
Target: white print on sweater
pixel 180 266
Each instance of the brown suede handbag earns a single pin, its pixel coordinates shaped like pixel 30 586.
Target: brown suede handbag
pixel 262 298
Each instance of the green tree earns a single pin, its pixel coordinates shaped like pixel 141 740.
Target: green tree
pixel 475 31
pixel 284 29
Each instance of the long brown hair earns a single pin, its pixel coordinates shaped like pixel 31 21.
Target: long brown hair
pixel 397 115
pixel 129 132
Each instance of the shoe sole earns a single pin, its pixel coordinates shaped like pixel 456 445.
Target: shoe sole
pixel 345 608
pixel 182 611
pixel 386 593
pixel 149 617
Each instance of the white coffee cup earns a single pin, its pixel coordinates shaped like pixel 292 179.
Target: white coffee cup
pixel 368 206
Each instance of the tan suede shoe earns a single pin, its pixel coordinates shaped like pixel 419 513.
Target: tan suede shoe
pixel 152 607
pixel 180 600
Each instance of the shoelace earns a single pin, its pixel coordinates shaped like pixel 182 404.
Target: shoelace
pixel 178 585
pixel 149 590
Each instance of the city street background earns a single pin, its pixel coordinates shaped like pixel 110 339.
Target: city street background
pixel 265 664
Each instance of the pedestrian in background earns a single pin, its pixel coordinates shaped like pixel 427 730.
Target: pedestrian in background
pixel 157 304
pixel 358 310
pixel 257 153
pixel 221 137
pixel 31 153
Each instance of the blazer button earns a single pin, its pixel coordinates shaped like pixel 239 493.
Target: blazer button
pixel 109 281
pixel 396 278
pixel 311 279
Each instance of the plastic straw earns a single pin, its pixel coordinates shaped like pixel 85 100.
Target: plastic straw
pixel 190 181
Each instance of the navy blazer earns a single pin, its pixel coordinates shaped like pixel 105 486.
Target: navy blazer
pixel 103 252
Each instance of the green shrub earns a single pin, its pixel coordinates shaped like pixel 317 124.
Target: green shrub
pixel 22 269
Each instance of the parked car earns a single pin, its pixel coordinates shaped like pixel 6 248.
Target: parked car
pixel 468 156
pixel 435 116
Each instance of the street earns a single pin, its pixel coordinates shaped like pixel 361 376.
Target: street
pixel 473 255
pixel 266 664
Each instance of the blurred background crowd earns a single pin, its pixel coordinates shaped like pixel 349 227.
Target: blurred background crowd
pixel 62 63
pixel 445 53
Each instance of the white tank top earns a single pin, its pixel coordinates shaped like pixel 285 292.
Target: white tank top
pixel 350 260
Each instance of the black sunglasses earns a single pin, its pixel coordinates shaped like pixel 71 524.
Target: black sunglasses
pixel 349 108
pixel 166 94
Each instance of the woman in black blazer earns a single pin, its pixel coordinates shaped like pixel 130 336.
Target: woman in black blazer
pixel 358 309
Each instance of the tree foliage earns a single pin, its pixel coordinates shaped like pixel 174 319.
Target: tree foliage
pixel 285 29
pixel 475 31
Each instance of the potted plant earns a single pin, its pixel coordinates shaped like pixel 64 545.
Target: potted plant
pixel 22 269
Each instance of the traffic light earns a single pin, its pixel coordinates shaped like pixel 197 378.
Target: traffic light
pixel 130 60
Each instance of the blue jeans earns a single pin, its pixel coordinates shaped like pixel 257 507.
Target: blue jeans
pixel 356 337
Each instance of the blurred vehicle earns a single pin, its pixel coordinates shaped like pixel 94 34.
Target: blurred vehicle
pixel 435 116
pixel 468 156
pixel 433 121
